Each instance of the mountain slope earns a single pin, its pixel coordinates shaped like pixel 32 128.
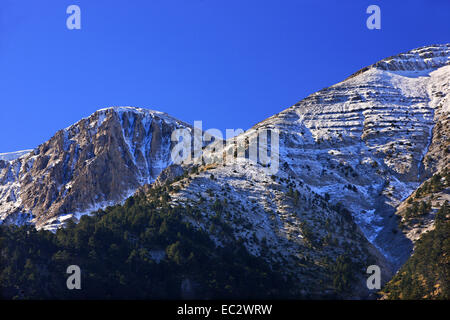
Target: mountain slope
pixel 362 142
pixel 139 250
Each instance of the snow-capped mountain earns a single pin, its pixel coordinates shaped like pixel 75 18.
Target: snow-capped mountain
pixel 9 156
pixel 99 161
pixel 363 141
pixel 350 155
pixel 367 143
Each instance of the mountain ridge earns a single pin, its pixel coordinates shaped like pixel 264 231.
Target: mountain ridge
pixel 350 156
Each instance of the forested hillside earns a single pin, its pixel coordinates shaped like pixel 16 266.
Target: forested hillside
pixel 145 249
pixel 139 250
pixel 425 275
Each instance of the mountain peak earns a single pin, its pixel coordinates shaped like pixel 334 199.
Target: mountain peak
pixel 137 110
pixel 10 156
pixel 98 161
pixel 101 114
pixel 428 57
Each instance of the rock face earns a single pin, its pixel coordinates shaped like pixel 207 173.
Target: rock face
pixel 98 161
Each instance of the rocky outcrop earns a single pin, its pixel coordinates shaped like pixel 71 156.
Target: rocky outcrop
pixel 169 174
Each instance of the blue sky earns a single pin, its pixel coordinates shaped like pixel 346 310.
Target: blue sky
pixel 228 63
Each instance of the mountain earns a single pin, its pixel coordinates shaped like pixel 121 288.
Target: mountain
pixel 372 131
pixel 362 175
pixel 367 142
pixel 101 160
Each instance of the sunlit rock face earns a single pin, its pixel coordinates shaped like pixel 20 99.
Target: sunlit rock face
pixel 99 161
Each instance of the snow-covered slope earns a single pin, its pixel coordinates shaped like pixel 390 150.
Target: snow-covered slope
pixel 360 142
pixel 372 132
pixel 96 162
pixel 9 156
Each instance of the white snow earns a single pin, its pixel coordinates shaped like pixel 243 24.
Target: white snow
pixel 10 156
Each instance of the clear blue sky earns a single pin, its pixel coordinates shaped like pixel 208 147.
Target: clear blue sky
pixel 229 63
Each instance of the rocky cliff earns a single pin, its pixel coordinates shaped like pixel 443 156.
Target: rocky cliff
pixel 99 161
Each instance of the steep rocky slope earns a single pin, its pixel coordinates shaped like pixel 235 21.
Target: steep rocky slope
pixel 99 161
